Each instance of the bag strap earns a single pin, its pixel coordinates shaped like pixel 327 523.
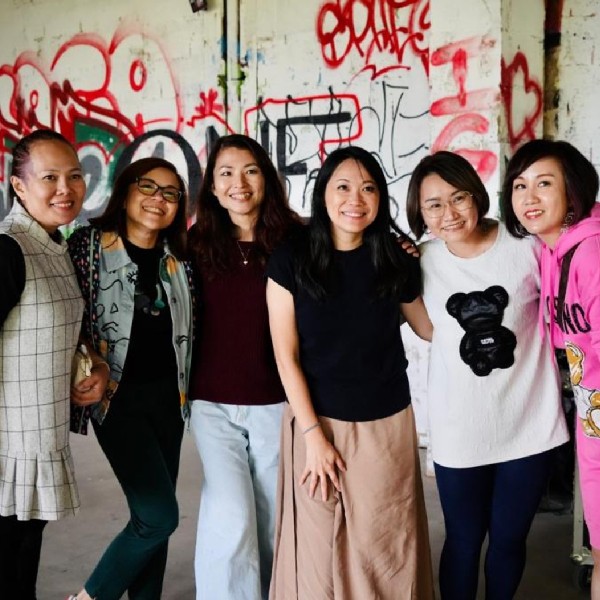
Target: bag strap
pixel 91 280
pixel 562 285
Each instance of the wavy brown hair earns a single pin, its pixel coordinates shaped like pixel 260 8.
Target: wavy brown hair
pixel 212 236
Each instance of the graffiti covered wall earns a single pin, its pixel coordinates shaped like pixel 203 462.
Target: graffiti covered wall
pixel 347 72
pixel 399 77
pixel 122 81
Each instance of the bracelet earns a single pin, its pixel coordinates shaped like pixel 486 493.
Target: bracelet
pixel 313 426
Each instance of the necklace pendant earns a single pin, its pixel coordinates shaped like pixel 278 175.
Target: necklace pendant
pixel 245 255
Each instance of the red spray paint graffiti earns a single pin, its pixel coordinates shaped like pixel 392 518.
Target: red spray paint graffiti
pixel 466 104
pixel 372 29
pixel 52 100
pixel 484 161
pixel 115 100
pixel 531 91
pixel 209 107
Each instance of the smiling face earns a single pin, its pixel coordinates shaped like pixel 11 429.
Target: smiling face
pixel 352 202
pixel 238 184
pixel 455 227
pixel 539 199
pixel 146 216
pixel 52 188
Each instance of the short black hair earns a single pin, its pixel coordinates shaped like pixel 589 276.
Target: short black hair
pixel 581 179
pixel 453 169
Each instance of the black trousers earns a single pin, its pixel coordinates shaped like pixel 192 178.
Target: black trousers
pixel 20 547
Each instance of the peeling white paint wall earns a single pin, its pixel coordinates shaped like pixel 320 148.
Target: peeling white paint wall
pixel 522 75
pixel 578 112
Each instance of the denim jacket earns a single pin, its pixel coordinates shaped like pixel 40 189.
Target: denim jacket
pixel 107 277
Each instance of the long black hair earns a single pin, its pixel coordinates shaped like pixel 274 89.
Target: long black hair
pixel 315 267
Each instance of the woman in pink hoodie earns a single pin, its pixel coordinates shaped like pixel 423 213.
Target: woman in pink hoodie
pixel 550 191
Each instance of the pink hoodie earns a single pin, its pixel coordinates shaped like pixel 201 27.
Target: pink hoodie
pixel 581 335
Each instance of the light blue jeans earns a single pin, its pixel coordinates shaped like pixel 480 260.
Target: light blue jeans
pixel 239 452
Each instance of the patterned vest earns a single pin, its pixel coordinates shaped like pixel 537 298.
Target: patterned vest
pixel 39 336
pixel 37 341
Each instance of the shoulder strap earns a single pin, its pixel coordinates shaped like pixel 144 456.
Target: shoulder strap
pixel 562 285
pixel 93 282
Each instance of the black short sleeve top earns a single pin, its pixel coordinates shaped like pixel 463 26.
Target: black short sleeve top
pixel 351 350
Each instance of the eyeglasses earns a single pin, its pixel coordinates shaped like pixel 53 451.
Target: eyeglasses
pixel 460 201
pixel 149 187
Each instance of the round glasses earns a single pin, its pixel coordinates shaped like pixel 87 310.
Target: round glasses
pixel 459 201
pixel 149 187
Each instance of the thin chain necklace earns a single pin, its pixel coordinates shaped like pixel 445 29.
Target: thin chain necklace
pixel 244 256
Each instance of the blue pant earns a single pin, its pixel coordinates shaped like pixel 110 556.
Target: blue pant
pixel 141 437
pixel 498 500
pixel 239 452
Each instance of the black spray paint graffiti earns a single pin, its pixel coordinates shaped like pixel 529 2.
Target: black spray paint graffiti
pixel 398 154
pixel 297 132
pixel 303 130
pixel 194 172
pixel 163 143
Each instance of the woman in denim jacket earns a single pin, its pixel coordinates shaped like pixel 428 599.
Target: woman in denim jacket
pixel 138 317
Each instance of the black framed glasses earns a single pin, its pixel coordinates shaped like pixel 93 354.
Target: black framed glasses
pixel 149 187
pixel 458 201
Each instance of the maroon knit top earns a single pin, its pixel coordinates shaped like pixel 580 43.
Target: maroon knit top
pixel 233 361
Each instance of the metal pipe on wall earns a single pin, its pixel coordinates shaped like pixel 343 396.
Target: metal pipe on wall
pixel 234 74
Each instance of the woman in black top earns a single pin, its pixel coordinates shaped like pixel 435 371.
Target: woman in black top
pixel 334 298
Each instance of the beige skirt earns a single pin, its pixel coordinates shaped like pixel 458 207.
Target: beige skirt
pixel 368 542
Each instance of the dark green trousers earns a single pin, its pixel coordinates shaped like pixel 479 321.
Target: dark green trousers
pixel 141 437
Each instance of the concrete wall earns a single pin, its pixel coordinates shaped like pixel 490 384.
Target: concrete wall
pixel 576 110
pixel 128 79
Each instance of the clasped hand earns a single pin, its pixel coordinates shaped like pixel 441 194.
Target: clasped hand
pixel 91 389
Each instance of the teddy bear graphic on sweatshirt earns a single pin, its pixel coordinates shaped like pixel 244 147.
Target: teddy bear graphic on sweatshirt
pixel 487 344
pixel 588 401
